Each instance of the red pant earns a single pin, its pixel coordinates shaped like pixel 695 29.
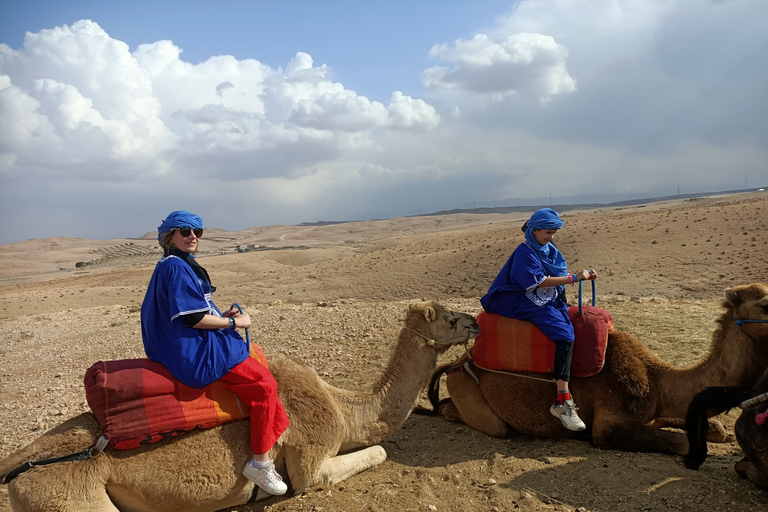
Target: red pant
pixel 256 387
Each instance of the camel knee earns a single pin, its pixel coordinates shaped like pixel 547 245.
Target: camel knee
pixel 716 432
pixel 450 412
pixel 746 469
pixel 480 417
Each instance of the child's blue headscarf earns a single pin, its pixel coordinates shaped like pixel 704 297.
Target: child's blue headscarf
pixel 179 219
pixel 553 262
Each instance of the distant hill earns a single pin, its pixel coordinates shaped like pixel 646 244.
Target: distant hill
pixel 531 205
pixel 585 206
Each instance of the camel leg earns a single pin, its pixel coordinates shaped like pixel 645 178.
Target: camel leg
pixel 716 432
pixel 307 475
pixel 469 406
pixel 746 469
pixel 61 487
pixel 635 437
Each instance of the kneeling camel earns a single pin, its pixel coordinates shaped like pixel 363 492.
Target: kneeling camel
pixel 634 394
pixel 200 471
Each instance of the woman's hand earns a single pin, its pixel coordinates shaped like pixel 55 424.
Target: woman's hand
pixel 242 320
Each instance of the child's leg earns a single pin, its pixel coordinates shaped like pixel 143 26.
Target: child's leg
pixel 563 357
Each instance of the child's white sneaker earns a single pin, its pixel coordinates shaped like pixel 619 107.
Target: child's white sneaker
pixel 566 413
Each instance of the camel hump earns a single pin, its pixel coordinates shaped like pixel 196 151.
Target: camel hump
pixel 627 369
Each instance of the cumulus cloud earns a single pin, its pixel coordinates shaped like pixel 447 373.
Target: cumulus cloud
pixel 523 65
pixel 670 92
pixel 82 104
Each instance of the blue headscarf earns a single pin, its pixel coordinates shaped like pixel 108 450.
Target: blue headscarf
pixel 179 219
pixel 553 262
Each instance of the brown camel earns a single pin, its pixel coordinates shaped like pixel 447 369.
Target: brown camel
pixel 200 471
pixel 636 392
pixel 751 436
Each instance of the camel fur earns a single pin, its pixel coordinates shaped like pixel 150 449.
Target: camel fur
pixel 636 392
pixel 200 471
pixel 752 438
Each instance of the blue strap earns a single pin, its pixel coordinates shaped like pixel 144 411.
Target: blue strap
pixel 739 321
pixel 594 295
pixel 247 336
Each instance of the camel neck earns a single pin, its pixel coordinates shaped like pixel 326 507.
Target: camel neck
pixel 392 397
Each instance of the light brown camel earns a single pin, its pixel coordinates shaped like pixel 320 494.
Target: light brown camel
pixel 200 471
pixel 634 394
pixel 751 436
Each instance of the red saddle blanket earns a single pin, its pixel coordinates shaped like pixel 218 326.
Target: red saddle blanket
pixel 516 345
pixel 138 401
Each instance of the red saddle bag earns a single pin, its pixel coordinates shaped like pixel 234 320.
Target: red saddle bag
pixel 516 345
pixel 138 401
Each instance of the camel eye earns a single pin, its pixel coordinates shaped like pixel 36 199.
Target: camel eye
pixel 764 307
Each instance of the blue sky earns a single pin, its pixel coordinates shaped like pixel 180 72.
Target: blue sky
pixel 113 114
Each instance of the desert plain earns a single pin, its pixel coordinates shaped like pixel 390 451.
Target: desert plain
pixel 334 296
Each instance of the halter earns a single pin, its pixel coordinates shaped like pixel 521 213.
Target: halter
pixel 431 342
pixel 740 322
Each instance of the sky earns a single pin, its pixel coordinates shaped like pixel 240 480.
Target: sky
pixel 253 113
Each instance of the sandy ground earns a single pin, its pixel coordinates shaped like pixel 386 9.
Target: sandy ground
pixel 334 296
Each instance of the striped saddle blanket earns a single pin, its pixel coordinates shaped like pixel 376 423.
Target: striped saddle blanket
pixel 516 345
pixel 138 401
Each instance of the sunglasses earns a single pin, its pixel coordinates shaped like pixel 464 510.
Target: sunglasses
pixel 185 232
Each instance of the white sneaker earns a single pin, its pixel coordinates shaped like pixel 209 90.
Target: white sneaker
pixel 266 478
pixel 567 414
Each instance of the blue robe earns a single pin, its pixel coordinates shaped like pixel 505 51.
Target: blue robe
pixel 515 293
pixel 196 357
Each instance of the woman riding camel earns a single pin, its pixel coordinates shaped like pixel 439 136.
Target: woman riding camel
pixel 184 330
pixel 530 287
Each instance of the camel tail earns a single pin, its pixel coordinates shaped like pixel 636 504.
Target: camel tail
pixel 433 392
pixel 708 402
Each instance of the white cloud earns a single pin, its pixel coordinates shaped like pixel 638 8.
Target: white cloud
pixel 523 65
pixel 100 111
pixel 669 92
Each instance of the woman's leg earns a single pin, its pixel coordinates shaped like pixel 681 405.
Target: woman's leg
pixel 256 387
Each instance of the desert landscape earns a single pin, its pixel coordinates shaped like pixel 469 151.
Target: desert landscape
pixel 334 296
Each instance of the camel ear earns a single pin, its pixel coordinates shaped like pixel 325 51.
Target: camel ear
pixel 732 297
pixel 429 314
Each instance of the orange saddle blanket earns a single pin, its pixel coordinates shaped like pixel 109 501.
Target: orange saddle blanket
pixel 138 401
pixel 516 345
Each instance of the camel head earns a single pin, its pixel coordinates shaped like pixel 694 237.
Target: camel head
pixel 750 304
pixel 440 327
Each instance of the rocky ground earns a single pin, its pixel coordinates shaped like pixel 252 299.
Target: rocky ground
pixel 335 296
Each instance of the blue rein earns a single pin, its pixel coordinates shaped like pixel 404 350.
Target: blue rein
pixel 247 336
pixel 740 322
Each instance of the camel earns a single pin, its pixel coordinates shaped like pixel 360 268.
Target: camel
pixel 200 471
pixel 751 436
pixel 634 395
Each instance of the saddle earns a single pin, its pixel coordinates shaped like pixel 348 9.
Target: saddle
pixel 138 401
pixel 519 346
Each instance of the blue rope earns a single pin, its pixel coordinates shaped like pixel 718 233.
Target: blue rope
pixel 594 296
pixel 247 336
